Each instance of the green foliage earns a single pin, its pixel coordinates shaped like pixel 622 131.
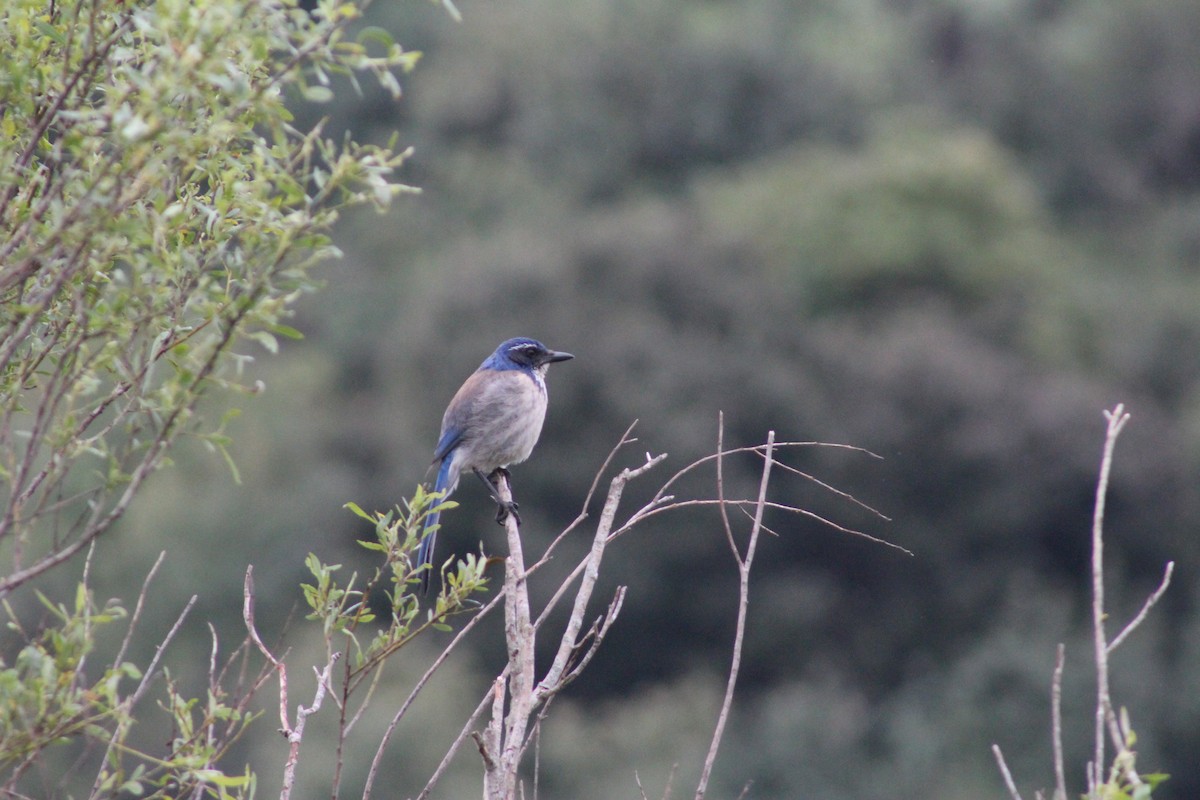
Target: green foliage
pixel 45 700
pixel 160 213
pixel 1124 781
pixel 343 610
pixel 52 711
pixel 157 210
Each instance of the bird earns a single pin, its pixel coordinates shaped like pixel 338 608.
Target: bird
pixel 492 422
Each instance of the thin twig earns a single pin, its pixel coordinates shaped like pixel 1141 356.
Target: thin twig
pixel 1149 604
pixel 637 779
pixel 758 448
pixel 294 733
pixel 830 488
pixel 744 563
pixel 416 689
pixel 724 508
pixel 457 743
pixel 1008 778
pixel 137 609
pixel 1060 780
pixel 297 732
pixel 624 440
pixel 654 508
pixel 595 635
pixel 568 642
pixel 587 500
pixel 565 584
pixel 151 670
pixel 1104 711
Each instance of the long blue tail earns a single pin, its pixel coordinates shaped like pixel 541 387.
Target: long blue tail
pixel 429 532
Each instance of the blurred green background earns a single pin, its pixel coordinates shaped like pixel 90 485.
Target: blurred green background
pixel 948 231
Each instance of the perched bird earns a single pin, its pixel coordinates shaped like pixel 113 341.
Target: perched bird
pixel 493 421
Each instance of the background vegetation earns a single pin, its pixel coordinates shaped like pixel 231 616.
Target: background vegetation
pixel 950 232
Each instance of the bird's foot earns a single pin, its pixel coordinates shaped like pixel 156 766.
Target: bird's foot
pixel 505 509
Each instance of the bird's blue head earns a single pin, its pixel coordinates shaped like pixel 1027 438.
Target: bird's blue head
pixel 524 354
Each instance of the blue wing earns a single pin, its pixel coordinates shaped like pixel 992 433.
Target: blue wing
pixel 452 436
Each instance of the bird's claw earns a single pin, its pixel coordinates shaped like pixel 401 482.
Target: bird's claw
pixel 505 509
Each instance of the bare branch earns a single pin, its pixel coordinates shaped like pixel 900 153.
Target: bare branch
pixel 514 699
pixel 518 633
pixel 1104 710
pixel 568 642
pixel 1008 778
pixel 1149 604
pixel 151 670
pixel 595 634
pixel 624 440
pixel 456 744
pixel 420 684
pixel 583 514
pixel 744 564
pixel 759 449
pixel 721 488
pixel 828 487
pixel 248 619
pixel 296 734
pixel 647 511
pixel 137 610
pixel 1060 780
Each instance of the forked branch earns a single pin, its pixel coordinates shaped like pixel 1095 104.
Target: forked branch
pixel 1123 773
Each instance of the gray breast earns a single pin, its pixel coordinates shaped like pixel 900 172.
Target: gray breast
pixel 508 421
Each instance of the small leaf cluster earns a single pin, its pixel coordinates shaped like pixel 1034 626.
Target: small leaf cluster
pixel 343 610
pixel 53 713
pixel 348 612
pixel 45 698
pixel 1124 781
pixel 195 751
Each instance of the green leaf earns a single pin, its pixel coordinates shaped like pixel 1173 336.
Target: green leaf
pixel 317 94
pixel 355 509
pixel 50 31
pixel 374 33
pixel 267 340
pixel 287 331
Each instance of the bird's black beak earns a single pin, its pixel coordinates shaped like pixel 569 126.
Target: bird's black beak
pixel 553 355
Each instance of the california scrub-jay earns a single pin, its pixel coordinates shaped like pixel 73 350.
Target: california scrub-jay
pixel 494 420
